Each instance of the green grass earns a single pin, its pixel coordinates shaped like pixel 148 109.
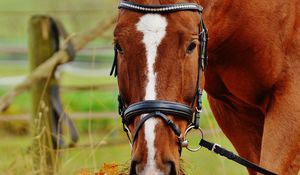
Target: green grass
pixel 77 80
pixel 4 71
pixel 90 101
pixel 15 157
pixel 205 162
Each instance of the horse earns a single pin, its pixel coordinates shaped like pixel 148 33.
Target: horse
pixel 251 79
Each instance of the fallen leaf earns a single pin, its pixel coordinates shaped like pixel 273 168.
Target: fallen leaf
pixel 109 169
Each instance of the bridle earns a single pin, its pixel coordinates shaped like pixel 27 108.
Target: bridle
pixel 160 108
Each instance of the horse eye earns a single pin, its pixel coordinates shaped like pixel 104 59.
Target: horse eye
pixel 191 47
pixel 119 48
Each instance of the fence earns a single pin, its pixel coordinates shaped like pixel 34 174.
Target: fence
pixel 45 55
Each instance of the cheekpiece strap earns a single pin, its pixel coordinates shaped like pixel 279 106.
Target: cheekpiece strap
pixel 114 67
pixel 121 105
pixel 204 42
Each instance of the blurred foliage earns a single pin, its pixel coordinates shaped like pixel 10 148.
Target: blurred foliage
pixel 83 101
pixel 74 101
pixel 72 80
pixel 76 15
pixel 15 128
pixel 97 125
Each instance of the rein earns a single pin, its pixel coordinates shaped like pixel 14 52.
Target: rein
pixel 161 108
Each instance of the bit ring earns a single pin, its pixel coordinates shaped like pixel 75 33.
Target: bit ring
pixel 185 141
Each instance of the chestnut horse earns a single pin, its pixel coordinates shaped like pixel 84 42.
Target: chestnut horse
pixel 252 78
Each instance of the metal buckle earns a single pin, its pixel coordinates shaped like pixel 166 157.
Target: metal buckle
pixel 198 110
pixel 213 149
pixel 185 142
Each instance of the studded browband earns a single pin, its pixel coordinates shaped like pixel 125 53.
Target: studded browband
pixel 160 8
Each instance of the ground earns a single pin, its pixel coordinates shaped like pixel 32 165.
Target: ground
pixel 15 158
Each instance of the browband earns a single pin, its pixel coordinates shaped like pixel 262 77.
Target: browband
pixel 160 8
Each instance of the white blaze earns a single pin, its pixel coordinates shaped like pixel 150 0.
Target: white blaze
pixel 153 26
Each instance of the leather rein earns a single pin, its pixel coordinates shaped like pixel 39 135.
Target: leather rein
pixel 161 108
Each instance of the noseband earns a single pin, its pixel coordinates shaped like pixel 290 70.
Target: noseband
pixel 157 108
pixel 161 108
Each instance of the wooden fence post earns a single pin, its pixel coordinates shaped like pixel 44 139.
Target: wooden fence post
pixel 42 45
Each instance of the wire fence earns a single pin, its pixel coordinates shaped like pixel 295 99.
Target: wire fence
pixel 67 12
pixel 75 116
pixel 76 15
pixel 15 49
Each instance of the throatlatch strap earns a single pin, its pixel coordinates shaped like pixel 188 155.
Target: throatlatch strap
pixel 230 155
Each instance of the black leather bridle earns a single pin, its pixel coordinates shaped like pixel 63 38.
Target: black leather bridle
pixel 161 108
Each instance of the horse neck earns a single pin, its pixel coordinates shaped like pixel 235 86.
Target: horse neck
pixel 225 18
pixel 222 18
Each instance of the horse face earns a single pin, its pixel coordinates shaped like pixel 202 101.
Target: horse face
pixel 157 60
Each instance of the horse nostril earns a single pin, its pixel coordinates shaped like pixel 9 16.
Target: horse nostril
pixel 133 168
pixel 172 168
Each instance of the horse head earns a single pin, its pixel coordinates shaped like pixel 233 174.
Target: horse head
pixel 157 62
